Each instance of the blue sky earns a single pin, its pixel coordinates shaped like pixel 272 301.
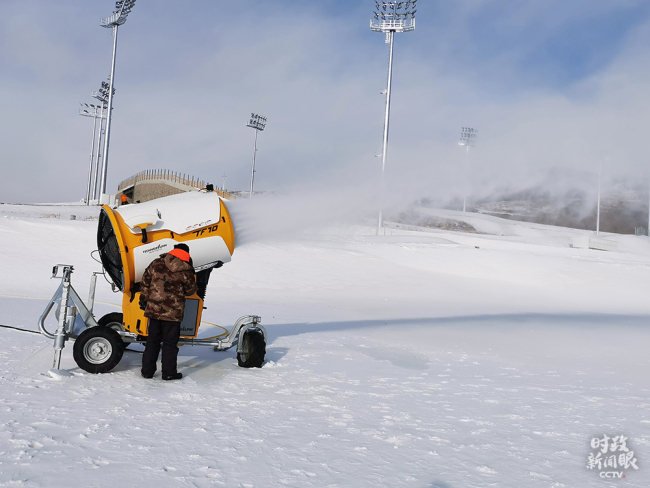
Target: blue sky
pixel 553 84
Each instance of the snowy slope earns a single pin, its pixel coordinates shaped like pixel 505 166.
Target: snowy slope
pixel 422 358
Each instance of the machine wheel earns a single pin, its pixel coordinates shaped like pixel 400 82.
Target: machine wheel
pixel 111 317
pixel 253 349
pixel 114 321
pixel 98 349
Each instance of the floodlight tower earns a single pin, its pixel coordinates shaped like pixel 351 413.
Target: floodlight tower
pixel 95 112
pixel 102 96
pixel 467 139
pixel 600 170
pixel 121 12
pixel 258 123
pixel 391 17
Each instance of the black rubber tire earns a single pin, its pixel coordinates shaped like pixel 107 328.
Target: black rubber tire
pixel 254 350
pixel 98 350
pixel 113 318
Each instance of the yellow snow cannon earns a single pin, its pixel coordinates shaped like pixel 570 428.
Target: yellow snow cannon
pixel 129 238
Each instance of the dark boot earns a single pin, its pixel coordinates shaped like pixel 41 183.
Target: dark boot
pixel 175 376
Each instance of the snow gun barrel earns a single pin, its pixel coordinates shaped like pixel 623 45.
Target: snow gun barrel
pixel 130 237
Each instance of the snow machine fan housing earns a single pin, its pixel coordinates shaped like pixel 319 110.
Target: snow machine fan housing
pixel 130 237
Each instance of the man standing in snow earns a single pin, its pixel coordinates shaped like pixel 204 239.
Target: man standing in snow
pixel 163 288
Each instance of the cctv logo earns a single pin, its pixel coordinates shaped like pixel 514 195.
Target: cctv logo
pixel 611 452
pixel 612 474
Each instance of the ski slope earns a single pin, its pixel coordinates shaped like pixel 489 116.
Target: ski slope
pixel 422 358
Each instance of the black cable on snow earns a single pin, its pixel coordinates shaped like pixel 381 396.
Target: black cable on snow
pixel 37 332
pixel 18 328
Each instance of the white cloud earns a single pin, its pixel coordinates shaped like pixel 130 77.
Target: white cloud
pixel 186 86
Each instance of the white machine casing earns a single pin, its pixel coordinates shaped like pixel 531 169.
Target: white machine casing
pixel 180 214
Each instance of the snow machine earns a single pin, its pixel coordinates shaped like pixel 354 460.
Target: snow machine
pixel 129 238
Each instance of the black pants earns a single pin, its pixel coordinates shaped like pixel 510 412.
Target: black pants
pixel 168 333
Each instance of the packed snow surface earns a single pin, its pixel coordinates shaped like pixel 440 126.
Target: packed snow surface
pixel 421 358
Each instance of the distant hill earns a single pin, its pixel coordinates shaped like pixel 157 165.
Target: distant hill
pixel 623 208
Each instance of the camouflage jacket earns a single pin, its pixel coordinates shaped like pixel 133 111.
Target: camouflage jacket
pixel 164 285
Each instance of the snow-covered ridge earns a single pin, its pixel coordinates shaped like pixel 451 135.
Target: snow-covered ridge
pixel 64 211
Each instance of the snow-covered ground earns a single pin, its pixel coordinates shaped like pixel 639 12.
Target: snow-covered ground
pixel 422 358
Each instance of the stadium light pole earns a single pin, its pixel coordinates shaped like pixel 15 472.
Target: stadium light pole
pixel 102 134
pixel 102 96
pixel 95 112
pixel 600 167
pixel 467 139
pixel 389 18
pixel 121 12
pixel 258 123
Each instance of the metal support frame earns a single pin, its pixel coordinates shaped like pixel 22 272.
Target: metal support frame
pixel 71 307
pixel 91 292
pixel 61 332
pixel 234 337
pixel 65 297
